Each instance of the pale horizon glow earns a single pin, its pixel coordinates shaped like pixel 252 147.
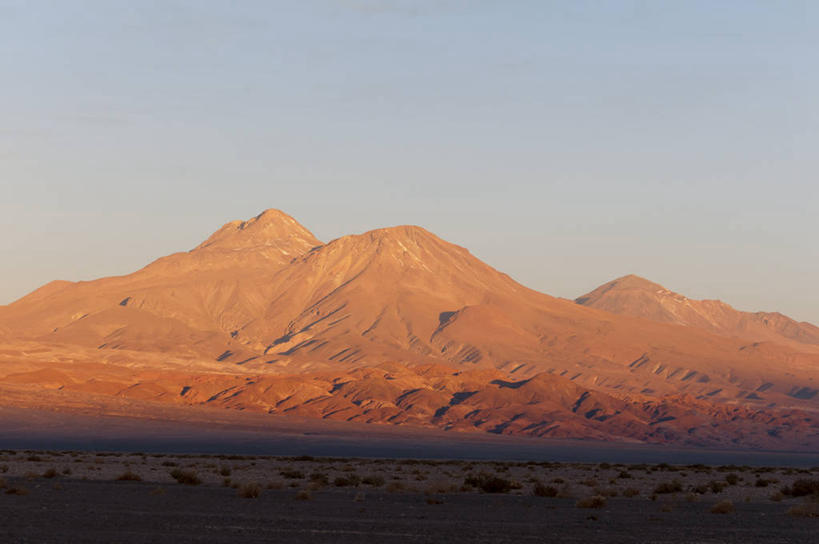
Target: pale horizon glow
pixel 564 143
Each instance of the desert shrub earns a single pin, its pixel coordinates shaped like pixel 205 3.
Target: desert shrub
pixel 631 492
pixel 224 471
pixel 440 487
pixel 691 497
pixel 2 483
pixel 674 486
pixel 716 486
pixel 187 477
pixel 273 484
pixel 375 480
pixel 319 478
pixel 34 458
pixel 540 490
pixel 169 464
pixel 489 483
pixel 596 501
pixel 805 510
pixel 4 468
pixel 292 474
pixel 67 471
pixel 303 495
pixel 802 488
pixel 250 490
pixel 624 475
pixel 589 482
pixel 776 497
pixel 732 479
pixel 606 492
pixel 50 473
pixel 762 482
pixel 17 491
pixel 351 480
pixel 129 476
pixel 667 507
pixel 558 481
pixel 724 507
pixel 394 487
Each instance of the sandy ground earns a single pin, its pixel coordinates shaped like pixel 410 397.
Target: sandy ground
pixel 76 496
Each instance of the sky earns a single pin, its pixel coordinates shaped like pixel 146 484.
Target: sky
pixel 564 143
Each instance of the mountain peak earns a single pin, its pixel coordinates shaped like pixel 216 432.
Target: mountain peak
pixel 271 228
pixel 639 297
pixel 628 282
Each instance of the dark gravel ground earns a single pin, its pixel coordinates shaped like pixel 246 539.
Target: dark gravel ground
pixel 66 510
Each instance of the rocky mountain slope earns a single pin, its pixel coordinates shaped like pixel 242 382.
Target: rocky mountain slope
pixel 398 326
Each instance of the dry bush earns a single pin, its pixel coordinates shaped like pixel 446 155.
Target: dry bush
pixel 2 483
pixel 596 501
pixel 4 468
pixel 158 491
pixel 691 497
pixel 374 480
pixel 292 474
pixel 489 483
pixel 250 490
pixel 17 491
pixel 674 486
pixel 724 507
pixel 319 478
pixel 717 486
pixel 565 492
pixel 667 507
pixel 802 488
pixel 303 495
pixel 778 496
pixel 805 510
pixel 395 487
pixel 129 477
pixel 275 484
pixel 631 492
pixel 187 477
pixel 731 479
pixel 224 471
pixel 50 473
pixel 351 480
pixel 440 486
pixel 540 490
pixel 606 492
pixel 359 497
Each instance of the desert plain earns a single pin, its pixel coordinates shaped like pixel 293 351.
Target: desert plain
pixel 60 496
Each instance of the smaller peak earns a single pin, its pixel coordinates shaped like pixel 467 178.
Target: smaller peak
pixel 627 282
pixel 271 227
pixel 634 281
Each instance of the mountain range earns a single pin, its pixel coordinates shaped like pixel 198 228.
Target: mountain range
pixel 397 326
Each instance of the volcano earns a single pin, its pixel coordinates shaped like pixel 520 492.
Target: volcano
pixel 397 326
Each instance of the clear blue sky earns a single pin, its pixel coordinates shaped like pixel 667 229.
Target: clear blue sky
pixel 565 143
